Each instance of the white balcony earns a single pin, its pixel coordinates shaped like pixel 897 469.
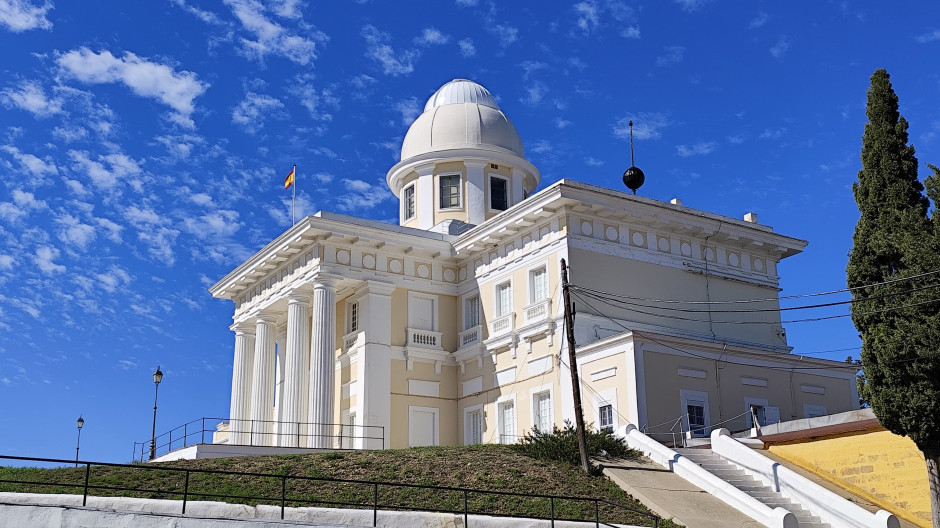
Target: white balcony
pixel 538 311
pixel 424 339
pixel 502 325
pixel 470 336
pixel 352 340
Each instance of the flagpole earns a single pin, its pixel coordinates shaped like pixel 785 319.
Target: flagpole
pixel 293 197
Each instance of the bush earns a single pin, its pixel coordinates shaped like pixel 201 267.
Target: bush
pixel 562 445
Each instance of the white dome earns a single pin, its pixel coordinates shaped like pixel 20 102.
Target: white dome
pixel 461 114
pixel 461 91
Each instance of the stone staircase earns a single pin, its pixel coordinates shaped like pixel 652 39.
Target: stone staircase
pixel 737 477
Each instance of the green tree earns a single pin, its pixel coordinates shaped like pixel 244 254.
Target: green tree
pixel 898 319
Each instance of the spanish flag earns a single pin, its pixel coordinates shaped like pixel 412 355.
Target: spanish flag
pixel 290 178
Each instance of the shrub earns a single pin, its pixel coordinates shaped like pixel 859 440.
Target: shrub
pixel 562 445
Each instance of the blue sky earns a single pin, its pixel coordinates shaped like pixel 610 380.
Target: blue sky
pixel 143 147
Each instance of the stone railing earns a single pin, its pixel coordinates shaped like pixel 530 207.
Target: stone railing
pixel 350 340
pixel 502 325
pixel 538 311
pixel 470 336
pixel 424 338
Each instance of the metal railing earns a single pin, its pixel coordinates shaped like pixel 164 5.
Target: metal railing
pixel 680 429
pixel 195 484
pixel 262 433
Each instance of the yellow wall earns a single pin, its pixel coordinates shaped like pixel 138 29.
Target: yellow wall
pixel 876 464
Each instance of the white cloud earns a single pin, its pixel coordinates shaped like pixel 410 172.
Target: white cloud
pixel 535 91
pixel 671 55
pixel 252 111
pixel 736 139
pixel 142 218
pixel 220 223
pixel 112 229
pixel 561 123
pixel 145 78
pixel 317 103
pixel 529 68
pixel 180 146
pixel 773 133
pixel 467 3
pixel 467 49
pixel 698 149
pixel 759 21
pixel 430 36
pixel 6 262
pixel 31 97
pixel 691 6
pixel 393 62
pixel 121 168
pixel 361 195
pixel 303 206
pixel 507 34
pixel 929 36
pixel 70 134
pixel 23 203
pixel 287 8
pixel 322 178
pixel 587 16
pixel 593 162
pixel 74 232
pixel 44 257
pixel 116 277
pixel 206 16
pixel 781 47
pixel 409 110
pixel 160 241
pixel 631 32
pixel 21 15
pixel 272 38
pixel 646 125
pixel 31 164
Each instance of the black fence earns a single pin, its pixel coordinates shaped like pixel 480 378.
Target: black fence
pixel 162 482
pixel 260 433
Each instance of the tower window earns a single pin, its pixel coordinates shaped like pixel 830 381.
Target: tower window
pixel 450 191
pixel 408 202
pixel 499 194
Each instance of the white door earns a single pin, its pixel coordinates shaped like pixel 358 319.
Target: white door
pixel 422 428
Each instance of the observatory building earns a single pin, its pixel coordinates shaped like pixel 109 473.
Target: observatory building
pixel 448 328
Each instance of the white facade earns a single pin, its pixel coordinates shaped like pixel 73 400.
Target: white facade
pixel 448 329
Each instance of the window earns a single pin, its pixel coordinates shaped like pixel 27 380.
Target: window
pixel 507 422
pixel 499 194
pixel 538 285
pixel 503 299
pixel 696 412
pixel 349 434
pixel 542 416
pixel 474 428
pixel 408 202
pixel 472 312
pixel 354 317
pixel 450 191
pixel 606 414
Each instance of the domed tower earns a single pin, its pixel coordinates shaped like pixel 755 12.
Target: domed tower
pixel 461 160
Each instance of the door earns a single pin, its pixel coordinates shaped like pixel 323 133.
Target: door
pixel 422 427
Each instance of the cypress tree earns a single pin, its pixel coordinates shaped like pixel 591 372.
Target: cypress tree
pixel 899 322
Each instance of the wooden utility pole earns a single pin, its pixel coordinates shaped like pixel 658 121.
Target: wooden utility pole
pixel 575 382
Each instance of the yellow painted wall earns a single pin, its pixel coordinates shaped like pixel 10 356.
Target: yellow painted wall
pixel 880 466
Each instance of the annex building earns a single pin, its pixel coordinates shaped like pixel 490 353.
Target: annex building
pixel 448 328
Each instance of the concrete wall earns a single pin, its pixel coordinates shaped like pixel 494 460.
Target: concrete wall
pixel 884 468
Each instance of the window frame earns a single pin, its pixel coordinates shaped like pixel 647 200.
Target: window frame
pixel 538 420
pixel 609 415
pixel 467 319
pixel 440 191
pixel 408 213
pixel 501 404
pixel 498 308
pixel 508 189
pixel 531 283
pixel 686 396
pixel 468 413
pixel 353 317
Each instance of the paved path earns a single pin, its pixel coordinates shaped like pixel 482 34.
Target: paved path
pixel 672 497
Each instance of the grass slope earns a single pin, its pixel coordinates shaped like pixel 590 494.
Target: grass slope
pixel 482 467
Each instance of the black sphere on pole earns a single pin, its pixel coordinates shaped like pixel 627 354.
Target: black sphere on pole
pixel 633 177
pixel 157 378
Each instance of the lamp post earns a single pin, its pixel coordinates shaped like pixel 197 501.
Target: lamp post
pixel 79 423
pixel 157 378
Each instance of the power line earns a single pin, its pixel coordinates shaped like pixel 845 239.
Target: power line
pixel 771 299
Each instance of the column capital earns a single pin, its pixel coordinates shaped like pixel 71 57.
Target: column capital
pixel 243 327
pixel 424 169
pixel 378 288
pixel 326 280
pixel 475 163
pixel 299 296
pixel 266 316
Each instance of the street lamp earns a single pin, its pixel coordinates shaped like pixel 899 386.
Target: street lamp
pixel 79 423
pixel 157 378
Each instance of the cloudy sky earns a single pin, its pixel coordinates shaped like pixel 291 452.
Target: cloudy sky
pixel 143 147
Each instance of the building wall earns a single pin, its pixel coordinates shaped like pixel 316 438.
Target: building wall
pixel 880 466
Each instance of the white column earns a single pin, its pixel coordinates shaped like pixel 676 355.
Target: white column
pixel 322 357
pixel 518 175
pixel 293 408
pixel 262 384
pixel 241 383
pixel 476 191
pixel 279 375
pixel 374 374
pixel 424 196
